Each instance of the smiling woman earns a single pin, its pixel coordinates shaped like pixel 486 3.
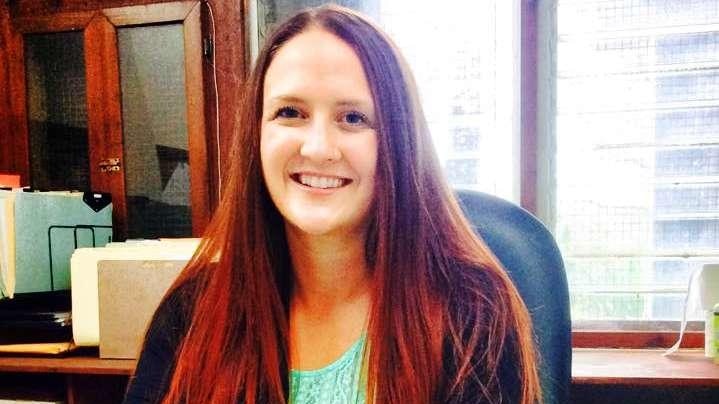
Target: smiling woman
pixel 338 267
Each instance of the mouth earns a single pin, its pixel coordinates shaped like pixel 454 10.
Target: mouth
pixel 320 181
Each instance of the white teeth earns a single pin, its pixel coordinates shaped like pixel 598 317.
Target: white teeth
pixel 320 182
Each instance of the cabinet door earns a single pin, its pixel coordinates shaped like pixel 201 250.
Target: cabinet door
pixel 133 125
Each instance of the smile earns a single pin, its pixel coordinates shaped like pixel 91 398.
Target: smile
pixel 322 182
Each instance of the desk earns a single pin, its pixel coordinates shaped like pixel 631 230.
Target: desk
pixel 70 365
pixel 590 367
pixel 619 376
pixel 74 379
pixel 643 367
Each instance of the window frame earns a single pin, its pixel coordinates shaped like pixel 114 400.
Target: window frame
pixel 538 100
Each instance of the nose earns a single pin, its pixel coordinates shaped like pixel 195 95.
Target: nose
pixel 320 143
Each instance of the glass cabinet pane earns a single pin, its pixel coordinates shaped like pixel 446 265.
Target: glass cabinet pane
pixel 57 112
pixel 157 176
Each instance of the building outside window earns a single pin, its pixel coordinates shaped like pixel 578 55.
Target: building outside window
pixel 637 153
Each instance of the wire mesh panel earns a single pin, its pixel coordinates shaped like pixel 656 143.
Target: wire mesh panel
pixel 637 152
pixel 57 115
pixel 154 120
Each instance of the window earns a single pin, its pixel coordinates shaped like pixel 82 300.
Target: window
pixel 637 125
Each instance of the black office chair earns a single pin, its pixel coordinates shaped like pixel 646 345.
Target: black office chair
pixel 529 253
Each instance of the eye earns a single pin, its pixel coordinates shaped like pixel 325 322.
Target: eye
pixel 288 113
pixel 355 118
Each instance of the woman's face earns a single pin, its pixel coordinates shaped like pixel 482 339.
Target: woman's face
pixel 318 143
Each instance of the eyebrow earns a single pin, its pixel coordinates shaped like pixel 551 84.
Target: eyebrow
pixel 355 103
pixel 342 103
pixel 284 98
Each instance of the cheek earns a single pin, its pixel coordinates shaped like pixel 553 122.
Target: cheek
pixel 372 153
pixel 269 157
pixel 265 154
pixel 271 149
pixel 364 160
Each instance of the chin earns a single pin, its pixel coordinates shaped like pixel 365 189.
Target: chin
pixel 317 227
pixel 322 222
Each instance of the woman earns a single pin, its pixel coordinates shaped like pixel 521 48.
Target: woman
pixel 339 267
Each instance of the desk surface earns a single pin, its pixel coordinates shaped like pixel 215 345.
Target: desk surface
pixel 645 367
pixel 71 364
pixel 589 366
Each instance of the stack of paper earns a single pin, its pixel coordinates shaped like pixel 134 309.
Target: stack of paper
pixel 84 263
pixel 43 348
pixel 7 244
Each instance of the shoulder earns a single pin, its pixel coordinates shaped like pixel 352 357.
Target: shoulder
pixel 173 315
pixel 476 299
pixel 162 341
pixel 474 290
pixel 480 352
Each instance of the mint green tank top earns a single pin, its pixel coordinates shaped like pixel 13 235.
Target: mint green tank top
pixel 336 383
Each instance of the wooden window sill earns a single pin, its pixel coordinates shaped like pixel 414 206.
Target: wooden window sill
pixel 634 339
pixel 643 367
pixel 590 366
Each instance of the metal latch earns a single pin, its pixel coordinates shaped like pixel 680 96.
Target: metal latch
pixel 109 165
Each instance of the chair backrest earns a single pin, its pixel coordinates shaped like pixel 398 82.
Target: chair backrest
pixel 529 253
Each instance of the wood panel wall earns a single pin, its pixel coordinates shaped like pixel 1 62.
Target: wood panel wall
pixel 13 148
pixel 230 63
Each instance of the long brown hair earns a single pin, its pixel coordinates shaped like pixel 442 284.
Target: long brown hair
pixel 438 290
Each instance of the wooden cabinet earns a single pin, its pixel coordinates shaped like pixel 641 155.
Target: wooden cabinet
pixel 149 147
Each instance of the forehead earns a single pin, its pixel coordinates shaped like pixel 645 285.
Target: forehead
pixel 315 61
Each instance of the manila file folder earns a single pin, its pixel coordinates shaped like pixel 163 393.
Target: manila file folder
pixel 129 292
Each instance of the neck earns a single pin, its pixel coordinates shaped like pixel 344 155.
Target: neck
pixel 329 271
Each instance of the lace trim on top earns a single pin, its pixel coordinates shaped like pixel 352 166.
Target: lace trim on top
pixel 336 383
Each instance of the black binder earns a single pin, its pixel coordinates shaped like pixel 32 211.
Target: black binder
pixel 36 317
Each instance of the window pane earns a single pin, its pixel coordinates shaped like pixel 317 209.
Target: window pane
pixel 461 58
pixel 637 152
pixel 154 122
pixel 57 114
